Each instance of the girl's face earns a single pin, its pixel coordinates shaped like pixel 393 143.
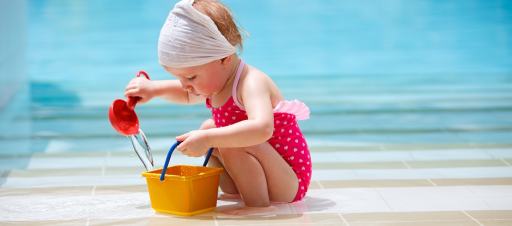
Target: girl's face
pixel 205 80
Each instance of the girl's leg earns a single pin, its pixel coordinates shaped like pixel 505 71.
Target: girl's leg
pixel 260 174
pixel 272 174
pixel 226 183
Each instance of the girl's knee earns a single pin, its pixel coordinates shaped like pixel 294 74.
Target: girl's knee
pixel 235 152
pixel 230 153
pixel 222 152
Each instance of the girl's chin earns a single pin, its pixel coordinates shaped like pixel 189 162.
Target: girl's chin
pixel 205 95
pixel 196 94
pixel 202 95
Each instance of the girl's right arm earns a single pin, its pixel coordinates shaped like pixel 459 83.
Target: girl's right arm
pixel 168 89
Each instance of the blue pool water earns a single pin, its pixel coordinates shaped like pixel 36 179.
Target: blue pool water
pixel 374 73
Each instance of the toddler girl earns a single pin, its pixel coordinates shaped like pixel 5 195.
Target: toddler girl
pixel 254 130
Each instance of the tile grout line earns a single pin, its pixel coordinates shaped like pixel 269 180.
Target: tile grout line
pixel 472 218
pixel 103 167
pixel 88 222
pixel 409 167
pixel 319 184
pixel 432 182
pixel 506 163
pixel 215 221
pixel 103 170
pixel 343 219
pixel 383 199
pixel 406 164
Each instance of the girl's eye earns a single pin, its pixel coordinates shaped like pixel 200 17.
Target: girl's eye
pixel 191 78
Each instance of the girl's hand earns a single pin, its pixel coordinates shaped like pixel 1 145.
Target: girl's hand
pixel 194 143
pixel 140 87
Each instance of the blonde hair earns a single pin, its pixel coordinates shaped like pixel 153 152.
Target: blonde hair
pixel 222 18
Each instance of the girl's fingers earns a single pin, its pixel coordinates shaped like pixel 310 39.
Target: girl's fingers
pixel 133 91
pixel 130 93
pixel 133 84
pixel 182 137
pixel 182 147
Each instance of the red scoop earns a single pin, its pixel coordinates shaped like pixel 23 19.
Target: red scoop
pixel 122 114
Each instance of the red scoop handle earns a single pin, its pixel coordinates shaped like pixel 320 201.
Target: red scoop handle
pixel 132 101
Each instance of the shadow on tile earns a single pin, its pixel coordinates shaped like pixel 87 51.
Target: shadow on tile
pixel 280 212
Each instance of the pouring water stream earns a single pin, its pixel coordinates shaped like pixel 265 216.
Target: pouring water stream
pixel 141 147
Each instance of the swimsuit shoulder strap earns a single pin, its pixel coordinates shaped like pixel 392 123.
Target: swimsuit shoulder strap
pixel 235 83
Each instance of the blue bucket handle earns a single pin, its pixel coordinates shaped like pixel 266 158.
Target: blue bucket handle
pixel 171 150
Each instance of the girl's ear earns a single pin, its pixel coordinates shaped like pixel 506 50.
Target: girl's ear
pixel 226 60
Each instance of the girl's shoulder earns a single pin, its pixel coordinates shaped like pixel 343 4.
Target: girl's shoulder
pixel 255 73
pixel 255 78
pixel 255 81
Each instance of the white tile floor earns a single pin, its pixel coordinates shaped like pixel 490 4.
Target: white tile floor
pixel 125 205
pixel 107 187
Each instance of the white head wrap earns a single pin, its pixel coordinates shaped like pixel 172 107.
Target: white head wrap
pixel 190 38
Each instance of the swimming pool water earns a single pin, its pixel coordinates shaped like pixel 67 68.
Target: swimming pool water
pixel 373 73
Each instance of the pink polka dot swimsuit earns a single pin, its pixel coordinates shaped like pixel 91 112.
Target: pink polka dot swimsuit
pixel 287 138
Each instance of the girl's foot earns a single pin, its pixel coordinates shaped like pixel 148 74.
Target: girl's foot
pixel 227 196
pixel 243 211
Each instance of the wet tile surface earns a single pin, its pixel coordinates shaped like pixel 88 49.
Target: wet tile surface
pixel 107 189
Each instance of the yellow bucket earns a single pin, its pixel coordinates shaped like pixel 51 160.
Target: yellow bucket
pixel 185 191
